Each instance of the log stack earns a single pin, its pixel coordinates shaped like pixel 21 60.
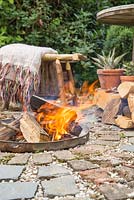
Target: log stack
pixel 126 91
pixel 118 109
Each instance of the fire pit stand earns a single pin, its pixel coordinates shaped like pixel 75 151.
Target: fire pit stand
pixel 21 147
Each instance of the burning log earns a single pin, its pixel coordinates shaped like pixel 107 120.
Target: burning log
pixel 74 129
pixel 31 129
pixel 55 120
pixel 50 123
pixel 36 102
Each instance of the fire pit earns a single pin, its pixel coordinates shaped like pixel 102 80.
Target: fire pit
pixel 20 147
pixel 49 75
pixel 49 127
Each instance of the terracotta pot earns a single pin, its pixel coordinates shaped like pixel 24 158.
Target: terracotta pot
pixel 127 78
pixel 109 78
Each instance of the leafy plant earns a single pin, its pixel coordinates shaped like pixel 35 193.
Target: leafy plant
pixel 66 26
pixel 107 61
pixel 119 37
pixel 129 68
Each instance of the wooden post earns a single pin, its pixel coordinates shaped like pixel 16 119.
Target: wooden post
pixel 133 51
pixel 42 78
pixel 72 83
pixel 60 81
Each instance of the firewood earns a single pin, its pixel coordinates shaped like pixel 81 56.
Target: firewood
pixel 31 129
pixel 124 122
pixel 9 126
pixel 126 111
pixel 125 88
pixel 36 102
pixel 131 102
pixel 132 116
pixel 8 133
pixel 102 97
pixel 111 111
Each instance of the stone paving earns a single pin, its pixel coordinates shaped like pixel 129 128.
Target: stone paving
pixel 102 169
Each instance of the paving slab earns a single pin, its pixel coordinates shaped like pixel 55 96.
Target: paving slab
pixel 131 140
pixel 129 133
pixel 106 143
pixel 60 186
pixel 128 147
pixel 19 159
pixel 17 190
pixel 108 137
pixel 106 161
pixel 5 154
pixel 114 191
pixel 64 155
pixel 79 165
pixel 5 157
pixel 116 161
pixel 98 176
pixel 131 184
pixel 10 172
pixel 122 155
pixel 42 158
pixel 89 149
pixel 75 198
pixel 127 172
pixel 52 171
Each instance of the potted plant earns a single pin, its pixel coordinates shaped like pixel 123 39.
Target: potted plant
pixel 109 77
pixel 129 72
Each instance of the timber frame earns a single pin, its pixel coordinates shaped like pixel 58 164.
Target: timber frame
pixel 52 66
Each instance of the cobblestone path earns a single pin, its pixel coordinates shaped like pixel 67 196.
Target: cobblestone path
pixel 101 169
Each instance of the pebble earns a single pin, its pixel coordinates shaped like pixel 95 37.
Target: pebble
pixel 87 190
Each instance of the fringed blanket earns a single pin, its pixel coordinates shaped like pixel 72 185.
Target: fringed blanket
pixel 20 72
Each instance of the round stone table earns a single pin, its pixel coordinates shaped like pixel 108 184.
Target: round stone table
pixel 118 15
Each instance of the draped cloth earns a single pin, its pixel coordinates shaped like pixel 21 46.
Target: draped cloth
pixel 20 71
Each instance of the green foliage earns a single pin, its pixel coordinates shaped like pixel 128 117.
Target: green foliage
pixel 10 1
pixel 67 26
pixel 129 68
pixel 121 38
pixel 107 61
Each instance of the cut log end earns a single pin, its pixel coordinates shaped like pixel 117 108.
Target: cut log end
pixel 124 122
pixel 31 129
pixel 125 88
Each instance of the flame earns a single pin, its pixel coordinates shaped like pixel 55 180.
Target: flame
pixel 92 87
pixel 55 120
pixel 86 97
